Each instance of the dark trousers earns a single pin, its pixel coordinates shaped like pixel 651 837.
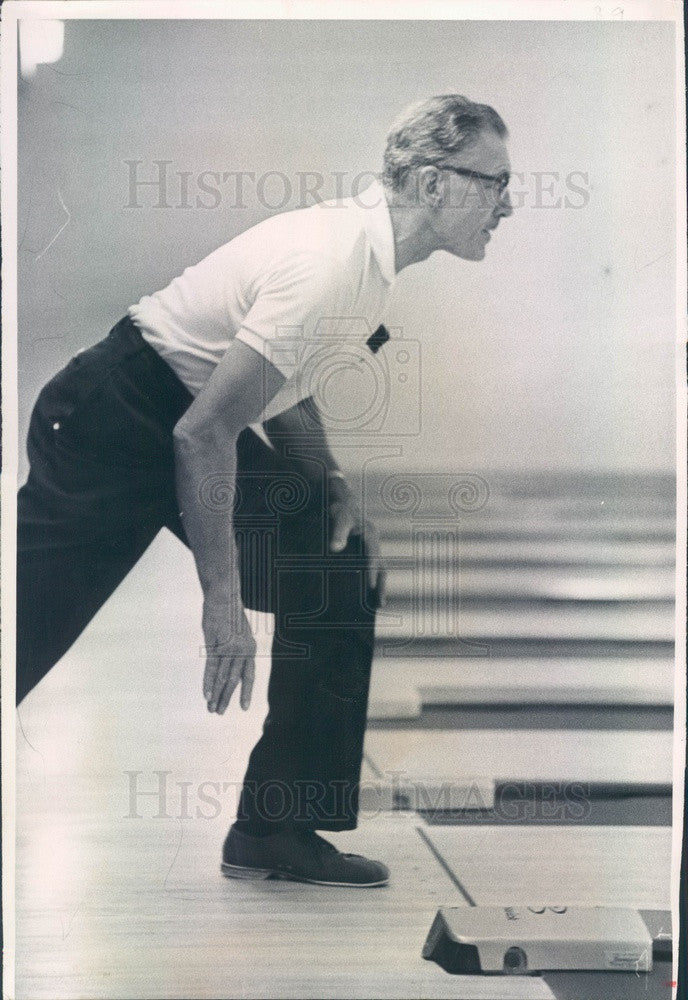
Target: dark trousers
pixel 101 486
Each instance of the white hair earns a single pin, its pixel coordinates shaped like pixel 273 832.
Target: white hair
pixel 429 130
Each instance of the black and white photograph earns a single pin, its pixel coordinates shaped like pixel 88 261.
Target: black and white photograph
pixel 343 500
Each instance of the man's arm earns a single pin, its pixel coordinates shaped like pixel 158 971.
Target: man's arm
pixel 298 434
pixel 205 466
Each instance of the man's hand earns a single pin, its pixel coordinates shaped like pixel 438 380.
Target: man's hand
pixel 346 519
pixel 231 651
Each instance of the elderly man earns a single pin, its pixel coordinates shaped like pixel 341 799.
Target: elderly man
pixel 192 412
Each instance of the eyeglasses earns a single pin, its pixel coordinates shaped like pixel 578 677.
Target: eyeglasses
pixel 499 182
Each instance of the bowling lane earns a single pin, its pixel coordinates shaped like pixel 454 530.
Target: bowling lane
pixel 556 583
pixel 505 522
pixel 633 758
pixel 402 551
pixel 619 621
pixel 400 688
pixel 569 866
pixel 535 502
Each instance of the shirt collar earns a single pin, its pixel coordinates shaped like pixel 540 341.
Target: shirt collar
pixel 378 223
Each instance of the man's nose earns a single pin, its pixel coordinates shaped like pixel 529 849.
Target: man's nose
pixel 505 207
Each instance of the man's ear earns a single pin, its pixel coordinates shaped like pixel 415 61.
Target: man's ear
pixel 430 186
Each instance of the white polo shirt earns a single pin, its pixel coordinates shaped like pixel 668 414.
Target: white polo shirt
pixel 297 288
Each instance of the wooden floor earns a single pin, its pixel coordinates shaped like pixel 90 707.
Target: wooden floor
pixel 115 900
pixel 126 787
pixel 576 866
pixel 588 756
pixel 139 909
pixel 401 687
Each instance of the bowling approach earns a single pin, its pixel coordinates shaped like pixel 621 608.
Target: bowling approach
pixel 520 795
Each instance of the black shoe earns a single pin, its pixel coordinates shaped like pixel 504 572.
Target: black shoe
pixel 298 855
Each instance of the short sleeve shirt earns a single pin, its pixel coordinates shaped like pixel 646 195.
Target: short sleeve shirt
pixel 299 285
